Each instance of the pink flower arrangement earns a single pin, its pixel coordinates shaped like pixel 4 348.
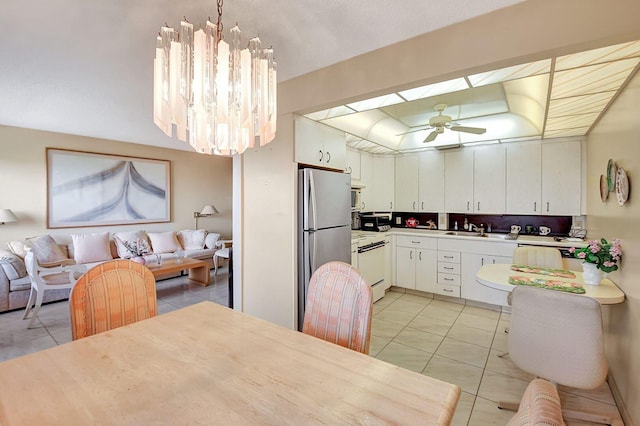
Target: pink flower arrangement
pixel 602 253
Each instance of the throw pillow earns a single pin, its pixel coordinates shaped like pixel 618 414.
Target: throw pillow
pixel 45 249
pixel 131 238
pixel 89 248
pixel 13 266
pixel 164 242
pixel 192 239
pixel 211 240
pixel 18 248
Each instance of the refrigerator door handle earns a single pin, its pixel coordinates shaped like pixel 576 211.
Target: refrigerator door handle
pixel 312 252
pixel 313 220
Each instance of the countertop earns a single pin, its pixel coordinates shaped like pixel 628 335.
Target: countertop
pixel 357 236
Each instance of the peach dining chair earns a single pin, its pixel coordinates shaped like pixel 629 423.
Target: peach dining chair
pixel 558 336
pixel 110 295
pixel 540 405
pixel 339 307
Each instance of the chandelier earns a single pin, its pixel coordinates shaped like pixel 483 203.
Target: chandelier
pixel 221 98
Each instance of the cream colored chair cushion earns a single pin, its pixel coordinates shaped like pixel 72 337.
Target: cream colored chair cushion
pixel 544 257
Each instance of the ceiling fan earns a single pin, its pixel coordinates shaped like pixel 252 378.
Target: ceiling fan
pixel 440 122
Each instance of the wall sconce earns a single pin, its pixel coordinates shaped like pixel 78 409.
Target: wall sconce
pixel 207 211
pixel 6 215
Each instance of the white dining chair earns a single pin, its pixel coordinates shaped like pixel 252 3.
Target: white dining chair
pixel 222 252
pixel 543 257
pixel 63 276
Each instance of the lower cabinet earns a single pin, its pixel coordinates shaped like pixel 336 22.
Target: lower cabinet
pixel 448 273
pixel 416 263
pixel 388 265
pixel 472 290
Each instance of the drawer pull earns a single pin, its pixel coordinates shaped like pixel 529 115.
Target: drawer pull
pixel 415 242
pixel 446 267
pixel 448 257
pixel 448 279
pixel 448 290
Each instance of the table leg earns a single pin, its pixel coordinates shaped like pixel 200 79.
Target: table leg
pixel 199 275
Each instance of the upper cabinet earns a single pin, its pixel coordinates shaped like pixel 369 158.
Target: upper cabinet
pixel 383 183
pixel 406 183
pixel 458 181
pixel 489 180
pixel 431 182
pixel 319 145
pixel 561 178
pixel 544 179
pixel 366 179
pixel 353 164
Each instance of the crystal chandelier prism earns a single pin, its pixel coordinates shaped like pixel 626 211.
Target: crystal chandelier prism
pixel 221 98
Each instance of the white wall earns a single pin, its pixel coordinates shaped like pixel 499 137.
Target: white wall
pixel 196 180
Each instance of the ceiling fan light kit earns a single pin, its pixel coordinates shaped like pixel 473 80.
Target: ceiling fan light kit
pixel 221 98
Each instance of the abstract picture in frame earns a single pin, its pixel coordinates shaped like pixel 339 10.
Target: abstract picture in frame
pixel 93 189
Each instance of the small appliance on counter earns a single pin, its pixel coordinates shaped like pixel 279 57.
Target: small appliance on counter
pixel 355 220
pixel 373 222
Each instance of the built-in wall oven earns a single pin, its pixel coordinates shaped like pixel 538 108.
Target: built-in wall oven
pixel 371 263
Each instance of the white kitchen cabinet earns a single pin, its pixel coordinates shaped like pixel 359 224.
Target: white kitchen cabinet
pixel 448 273
pixel 319 145
pixel 524 179
pixel 472 290
pixel 416 263
pixel 489 180
pixel 353 164
pixel 561 178
pixel 431 182
pixel 366 179
pixel 458 181
pixel 406 183
pixel 383 183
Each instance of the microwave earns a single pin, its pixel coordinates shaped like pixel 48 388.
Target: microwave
pixel 355 199
pixel 374 222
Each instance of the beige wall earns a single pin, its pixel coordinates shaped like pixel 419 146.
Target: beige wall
pixel 617 136
pixel 196 180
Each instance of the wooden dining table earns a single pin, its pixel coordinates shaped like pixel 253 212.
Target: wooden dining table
pixel 497 276
pixel 208 364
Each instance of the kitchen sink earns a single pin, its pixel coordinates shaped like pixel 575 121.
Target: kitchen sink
pixel 476 234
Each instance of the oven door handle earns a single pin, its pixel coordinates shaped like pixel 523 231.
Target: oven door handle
pixel 366 249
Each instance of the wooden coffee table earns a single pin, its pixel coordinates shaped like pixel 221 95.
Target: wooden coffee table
pixel 198 269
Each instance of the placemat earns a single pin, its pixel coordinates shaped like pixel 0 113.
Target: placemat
pixel 569 287
pixel 543 271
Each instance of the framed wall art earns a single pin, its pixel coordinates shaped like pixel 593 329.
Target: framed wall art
pixel 92 189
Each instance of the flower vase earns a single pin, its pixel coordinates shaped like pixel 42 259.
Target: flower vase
pixel 591 274
pixel 139 259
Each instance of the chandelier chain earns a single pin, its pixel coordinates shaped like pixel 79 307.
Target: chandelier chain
pixel 219 23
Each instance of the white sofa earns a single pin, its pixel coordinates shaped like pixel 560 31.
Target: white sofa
pixel 15 284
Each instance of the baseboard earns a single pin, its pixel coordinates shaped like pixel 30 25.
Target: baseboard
pixel 617 397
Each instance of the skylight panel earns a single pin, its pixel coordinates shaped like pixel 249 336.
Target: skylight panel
pixel 511 73
pixel 596 56
pixel 434 89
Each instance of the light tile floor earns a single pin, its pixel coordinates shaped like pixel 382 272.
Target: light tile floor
pixel 449 341
pixel 460 344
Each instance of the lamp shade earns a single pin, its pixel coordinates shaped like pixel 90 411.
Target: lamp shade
pixel 208 210
pixel 6 215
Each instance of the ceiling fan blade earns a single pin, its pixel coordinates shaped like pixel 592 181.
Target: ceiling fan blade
pixel 475 130
pixel 422 129
pixel 431 137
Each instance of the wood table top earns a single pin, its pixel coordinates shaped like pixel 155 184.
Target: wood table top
pixel 208 364
pixel 172 265
pixel 497 276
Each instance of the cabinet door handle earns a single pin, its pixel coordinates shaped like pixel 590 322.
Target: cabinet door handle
pixel 420 255
pixel 328 156
pixel 411 255
pixel 478 205
pixel 547 206
pixel 468 205
pixel 535 206
pixel 414 205
pixel 422 206
pixel 321 155
pixel 390 205
pixel 482 261
pixel 363 204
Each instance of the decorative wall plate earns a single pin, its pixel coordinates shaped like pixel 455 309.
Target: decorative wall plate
pixel 604 188
pixel 611 175
pixel 622 186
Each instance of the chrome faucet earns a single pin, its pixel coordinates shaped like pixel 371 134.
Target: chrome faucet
pixel 479 229
pixel 472 227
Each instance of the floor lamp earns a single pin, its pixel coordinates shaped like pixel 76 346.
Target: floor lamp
pixel 207 211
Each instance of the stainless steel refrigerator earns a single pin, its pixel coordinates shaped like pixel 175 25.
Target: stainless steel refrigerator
pixel 324 225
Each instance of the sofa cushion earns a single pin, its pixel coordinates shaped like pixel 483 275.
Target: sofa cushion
pixel 18 248
pixel 91 247
pixel 12 266
pixel 45 249
pixel 192 239
pixel 20 284
pixel 164 242
pixel 132 238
